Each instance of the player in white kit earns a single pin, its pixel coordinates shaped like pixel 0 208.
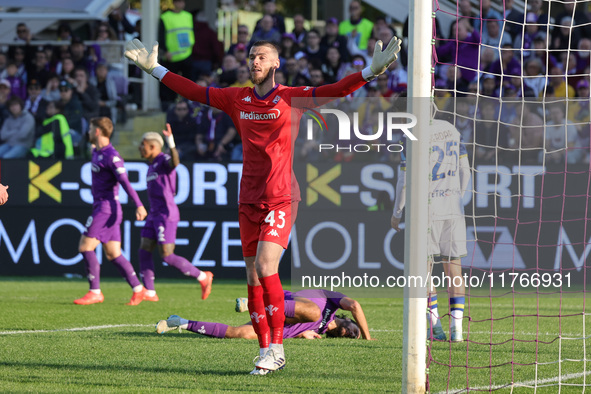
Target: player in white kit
pixel 449 177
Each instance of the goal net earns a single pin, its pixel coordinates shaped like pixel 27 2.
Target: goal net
pixel 513 78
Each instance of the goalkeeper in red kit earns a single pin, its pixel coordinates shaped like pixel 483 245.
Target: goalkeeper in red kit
pixel 269 192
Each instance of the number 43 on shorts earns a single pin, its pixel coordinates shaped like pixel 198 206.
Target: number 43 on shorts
pixel 280 218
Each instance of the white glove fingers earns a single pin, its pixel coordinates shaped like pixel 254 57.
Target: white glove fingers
pixel 138 44
pixel 378 46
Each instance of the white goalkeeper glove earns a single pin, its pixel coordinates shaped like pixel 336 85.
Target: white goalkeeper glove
pixel 148 62
pixel 382 59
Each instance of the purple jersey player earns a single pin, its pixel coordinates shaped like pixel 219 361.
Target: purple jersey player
pixel 104 225
pixel 308 314
pixel 162 221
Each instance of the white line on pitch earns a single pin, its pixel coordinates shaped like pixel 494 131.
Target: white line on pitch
pixel 552 334
pixel 75 329
pixel 527 383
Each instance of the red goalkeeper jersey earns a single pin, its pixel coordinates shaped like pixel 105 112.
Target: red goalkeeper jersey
pixel 265 125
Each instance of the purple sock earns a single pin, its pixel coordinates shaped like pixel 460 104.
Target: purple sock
pixel 93 269
pixel 147 269
pixel 217 330
pixel 289 308
pixel 126 270
pixel 182 264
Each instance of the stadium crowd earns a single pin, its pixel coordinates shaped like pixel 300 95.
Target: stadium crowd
pixel 487 66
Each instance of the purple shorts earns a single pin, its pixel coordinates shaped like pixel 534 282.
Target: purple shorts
pixel 160 229
pixel 104 226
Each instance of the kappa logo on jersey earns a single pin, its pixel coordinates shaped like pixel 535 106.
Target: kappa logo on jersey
pixel 257 318
pixel 273 232
pixel 40 181
pixel 271 115
pixel 270 308
pixel 152 176
pixel 201 330
pixel 100 157
pixel 307 88
pixel 247 99
pixel 276 99
pixel 116 159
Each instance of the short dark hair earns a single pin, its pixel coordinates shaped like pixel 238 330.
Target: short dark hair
pixel 265 43
pixel 16 100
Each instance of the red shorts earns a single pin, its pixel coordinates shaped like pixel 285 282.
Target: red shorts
pixel 265 222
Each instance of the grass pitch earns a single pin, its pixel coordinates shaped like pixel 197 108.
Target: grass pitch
pixel 48 344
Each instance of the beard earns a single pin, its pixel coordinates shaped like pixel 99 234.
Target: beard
pixel 263 79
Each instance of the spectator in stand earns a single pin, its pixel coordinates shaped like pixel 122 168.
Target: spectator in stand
pixel 229 71
pixel 23 33
pixel 299 31
pixel 580 21
pixel 334 68
pixel 486 14
pixel 397 78
pixel 583 58
pixel 5 88
pixel 35 102
pixel 270 8
pixel 39 68
pixel 313 51
pixel 177 38
pixel 494 39
pixel 120 24
pixel 215 134
pixel 266 32
pixel 279 78
pixel 52 88
pixel 562 39
pixel 18 131
pixel 71 106
pixel 67 70
pixel 3 63
pixel 513 20
pixel 356 27
pixel 288 46
pixel 183 127
pixel 558 83
pixel 19 56
pixel 208 51
pixel 466 12
pixel 240 54
pixel 303 65
pixel 578 110
pixel 332 39
pixel 533 76
pixel 532 31
pixel 243 38
pixel 53 138
pixel 561 137
pixel 88 95
pixel 17 85
pixel 243 80
pixel 489 86
pixel 462 50
pixel 507 63
pixel 382 85
pixel 316 77
pixel 489 133
pixel 107 92
pixel 104 32
pixel 80 55
pixel 291 71
pixel 64 32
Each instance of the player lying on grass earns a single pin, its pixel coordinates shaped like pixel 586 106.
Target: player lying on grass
pixel 308 314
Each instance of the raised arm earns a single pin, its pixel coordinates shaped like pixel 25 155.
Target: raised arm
pixel 174 153
pixel 354 307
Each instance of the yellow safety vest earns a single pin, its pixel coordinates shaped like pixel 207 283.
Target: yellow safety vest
pixel 45 145
pixel 179 34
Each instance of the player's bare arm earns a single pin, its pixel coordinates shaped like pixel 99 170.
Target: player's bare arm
pixel 309 334
pixel 351 305
pixel 174 153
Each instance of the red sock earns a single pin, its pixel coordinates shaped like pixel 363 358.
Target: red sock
pixel 274 298
pixel 256 308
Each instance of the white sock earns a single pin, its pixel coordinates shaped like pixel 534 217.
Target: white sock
pixel 434 316
pixel 150 293
pixel 263 351
pixel 456 318
pixel 278 347
pixel 138 288
pixel 96 291
pixel 201 276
